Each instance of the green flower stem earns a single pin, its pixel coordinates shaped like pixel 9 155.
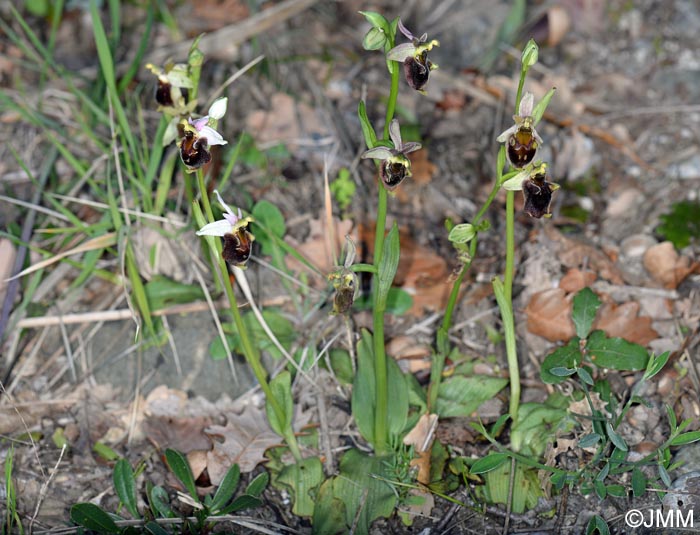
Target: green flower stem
pixel 380 365
pixel 252 355
pixel 438 364
pixel 510 246
pixel 505 305
pixel 250 352
pixel 207 212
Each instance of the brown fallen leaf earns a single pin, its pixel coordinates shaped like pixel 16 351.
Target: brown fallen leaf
pixel 549 315
pixel 243 440
pixel 421 437
pixel 422 273
pixel 666 266
pixel 280 124
pixel 574 254
pixel 623 321
pixel 576 280
pixel 317 246
pixel 422 168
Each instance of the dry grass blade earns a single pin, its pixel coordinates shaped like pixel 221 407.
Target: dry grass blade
pixel 106 240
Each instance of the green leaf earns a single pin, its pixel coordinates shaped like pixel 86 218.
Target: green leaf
pixel 682 224
pixel 158 500
pixel 226 488
pixel 281 387
pixel 617 491
pixel 567 357
pixel 257 486
pixel 563 372
pixel 616 439
pixel 600 489
pixel 663 474
pixel 586 305
pixel 125 486
pixel 301 480
pixel 597 525
pixel 376 20
pixel 488 463
pixel 639 483
pixel 181 468
pixel 244 501
pixel 585 376
pixel 535 427
pixel 365 495
pixel 389 262
pixel 363 390
pixel 541 106
pixel 615 353
pixel 155 529
pixel 92 517
pixel 162 292
pixel 655 365
pixel 529 489
pixel 589 440
pixel 686 438
pixel 367 129
pixel 374 39
pixel 397 411
pixel 104 451
pixel 398 301
pixel 462 233
pixel 671 418
pixel 461 396
pixel 268 215
pixel 329 511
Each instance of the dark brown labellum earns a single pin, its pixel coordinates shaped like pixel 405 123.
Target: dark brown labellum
pixel 538 196
pixel 237 247
pixel 194 150
pixel 393 173
pixel 417 71
pixel 343 299
pixel 163 93
pixel 522 147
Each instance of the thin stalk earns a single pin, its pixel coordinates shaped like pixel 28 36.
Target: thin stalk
pixel 438 364
pixel 510 246
pixel 380 366
pixel 250 352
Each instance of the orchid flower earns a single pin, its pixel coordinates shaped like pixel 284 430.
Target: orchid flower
pixel 414 56
pixel 196 136
pixel 521 139
pixel 536 189
pixel 233 228
pixel 395 165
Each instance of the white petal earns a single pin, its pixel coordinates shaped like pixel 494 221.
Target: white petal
pixel 526 104
pixel 213 137
pixel 516 183
pixel 223 204
pixel 378 153
pixel 395 134
pixel 401 52
pixel 505 135
pixel 218 109
pixel 410 146
pixel 217 228
pixel 170 133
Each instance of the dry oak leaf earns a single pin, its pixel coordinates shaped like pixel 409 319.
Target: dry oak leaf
pixel 622 321
pixel 576 280
pixel 549 315
pixel 280 123
pixel 422 168
pixel 574 254
pixel 422 272
pixel 243 440
pixel 666 266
